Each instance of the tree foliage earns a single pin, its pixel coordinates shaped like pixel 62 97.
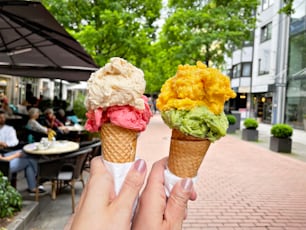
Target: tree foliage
pixel 288 8
pixel 207 31
pixel 109 28
pixel 194 30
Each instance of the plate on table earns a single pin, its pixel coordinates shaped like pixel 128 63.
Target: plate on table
pixel 31 147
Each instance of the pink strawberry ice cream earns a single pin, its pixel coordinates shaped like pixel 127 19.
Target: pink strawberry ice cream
pixel 115 95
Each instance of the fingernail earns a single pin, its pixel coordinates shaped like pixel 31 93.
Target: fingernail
pixel 187 184
pixel 140 165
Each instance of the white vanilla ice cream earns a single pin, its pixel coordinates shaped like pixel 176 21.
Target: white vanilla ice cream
pixel 117 83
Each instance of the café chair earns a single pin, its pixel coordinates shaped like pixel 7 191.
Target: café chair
pixel 64 169
pixel 71 171
pixel 5 169
pixel 96 151
pixel 33 136
pixel 48 170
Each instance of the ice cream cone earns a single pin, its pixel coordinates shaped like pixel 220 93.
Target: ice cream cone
pixel 186 154
pixel 118 144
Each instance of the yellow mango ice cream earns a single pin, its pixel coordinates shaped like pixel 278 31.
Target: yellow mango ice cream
pixel 193 101
pixel 192 104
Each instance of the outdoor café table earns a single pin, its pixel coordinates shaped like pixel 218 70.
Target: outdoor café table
pixel 75 132
pixel 55 148
pixel 74 128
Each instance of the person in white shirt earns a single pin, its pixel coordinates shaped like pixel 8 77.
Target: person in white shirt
pixel 18 159
pixel 8 137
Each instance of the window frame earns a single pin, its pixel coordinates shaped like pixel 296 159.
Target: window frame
pixel 266 32
pixel 265 4
pixel 243 67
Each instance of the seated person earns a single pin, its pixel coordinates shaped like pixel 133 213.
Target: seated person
pixel 22 108
pixel 8 137
pixel 20 161
pixel 53 123
pixel 61 116
pixel 33 124
pixel 5 106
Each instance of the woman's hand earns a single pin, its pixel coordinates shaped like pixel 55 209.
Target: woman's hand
pixel 99 207
pixel 155 210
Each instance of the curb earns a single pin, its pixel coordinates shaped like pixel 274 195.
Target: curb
pixel 29 211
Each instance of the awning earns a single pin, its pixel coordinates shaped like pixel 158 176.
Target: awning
pixel 34 44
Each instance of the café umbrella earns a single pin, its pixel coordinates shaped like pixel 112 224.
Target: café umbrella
pixel 34 44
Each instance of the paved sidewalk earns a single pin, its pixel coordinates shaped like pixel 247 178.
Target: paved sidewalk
pixel 241 185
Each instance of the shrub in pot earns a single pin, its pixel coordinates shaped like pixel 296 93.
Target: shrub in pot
pixel 10 198
pixel 250 132
pixel 231 123
pixel 280 140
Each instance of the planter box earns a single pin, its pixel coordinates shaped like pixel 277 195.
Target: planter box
pixel 231 129
pixel 238 119
pixel 282 145
pixel 250 134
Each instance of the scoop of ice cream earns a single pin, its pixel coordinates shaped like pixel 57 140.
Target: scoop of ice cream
pixel 194 86
pixel 199 122
pixel 124 116
pixel 117 83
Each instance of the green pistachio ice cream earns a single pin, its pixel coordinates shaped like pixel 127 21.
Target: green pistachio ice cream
pixel 198 122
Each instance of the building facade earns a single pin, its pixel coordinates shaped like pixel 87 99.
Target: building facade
pixel 296 84
pixel 18 89
pixel 269 72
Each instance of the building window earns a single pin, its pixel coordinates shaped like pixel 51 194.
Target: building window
pixel 236 71
pixel 266 4
pixel 229 73
pixel 242 70
pixel 266 32
pixel 264 63
pixel 246 69
pixel 250 41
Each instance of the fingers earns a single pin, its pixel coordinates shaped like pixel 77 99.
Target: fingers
pixel 95 197
pixel 153 199
pixel 155 183
pixel 176 207
pixel 131 186
pixel 100 184
pixel 156 176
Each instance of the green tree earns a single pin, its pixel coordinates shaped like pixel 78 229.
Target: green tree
pixel 194 30
pixel 108 28
pixel 287 8
pixel 207 31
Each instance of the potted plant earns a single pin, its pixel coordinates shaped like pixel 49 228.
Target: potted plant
pixel 231 123
pixel 280 140
pixel 10 199
pixel 250 132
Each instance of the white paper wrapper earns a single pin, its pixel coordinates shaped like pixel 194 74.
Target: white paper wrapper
pixel 171 180
pixel 119 172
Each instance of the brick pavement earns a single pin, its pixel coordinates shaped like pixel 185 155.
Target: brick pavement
pixel 240 185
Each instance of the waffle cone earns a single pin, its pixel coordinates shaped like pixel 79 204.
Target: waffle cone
pixel 186 154
pixel 118 144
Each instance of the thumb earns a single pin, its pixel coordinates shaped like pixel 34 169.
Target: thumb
pixel 177 203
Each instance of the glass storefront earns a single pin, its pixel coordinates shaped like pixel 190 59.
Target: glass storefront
pixel 262 105
pixel 296 90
